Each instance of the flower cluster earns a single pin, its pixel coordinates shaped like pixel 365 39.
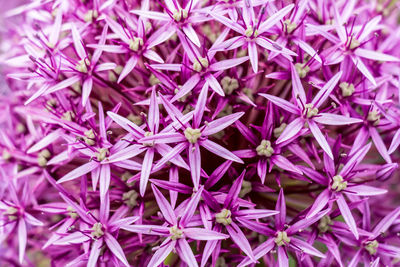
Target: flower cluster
pixel 200 133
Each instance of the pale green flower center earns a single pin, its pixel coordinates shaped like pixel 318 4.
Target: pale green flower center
pixel 347 88
pixel 200 64
pixel 6 155
pixel 192 134
pixel 302 69
pixel 338 183
pixel 251 32
pixel 290 26
pixel 281 238
pixel 180 14
pixel 265 149
pixel 135 43
pixel 175 232
pixel 374 116
pixel 324 224
pixel 354 43
pixel 43 156
pixel 224 217
pixel 229 84
pixel 71 212
pixel 90 15
pixel 102 154
pixel 130 198
pixel 372 247
pixel 246 188
pixel 12 213
pixel 82 65
pixel 89 137
pixel 97 231
pixel 310 110
pixel 279 130
pixel 147 134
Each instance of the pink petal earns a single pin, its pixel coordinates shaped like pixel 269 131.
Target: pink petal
pixel 325 92
pixel 282 103
pixel 47 140
pixel 335 119
pixel 253 55
pixel 86 89
pixel 374 55
pixel 95 253
pixel 127 124
pixel 283 260
pixel 129 66
pixel 240 240
pixel 219 124
pixel 347 216
pixel 105 177
pixel 195 164
pixel 203 234
pixel 220 151
pixel 115 248
pixel 274 18
pixel 320 138
pixel 87 167
pixel 164 206
pixel 78 42
pixel 297 87
pixel 186 253
pixel 191 207
pixel 228 63
pixel 291 130
pixel 214 84
pixel 22 237
pixel 162 253
pixel 187 87
pixel 191 34
pixel 228 23
pixel 146 169
pixel 306 247
pixel 363 69
pixel 379 144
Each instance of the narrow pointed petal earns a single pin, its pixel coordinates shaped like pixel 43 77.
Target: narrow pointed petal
pixel 220 151
pixel 22 238
pixel 386 222
pixel 282 103
pixel 365 190
pixel 253 55
pixel 191 34
pixel 379 144
pixel 319 203
pixel 291 130
pixel 215 85
pixel 204 234
pixel 297 87
pixel 335 119
pixel 105 178
pixel 320 138
pixel 187 87
pixel 187 253
pixel 281 207
pixel 164 206
pixel 228 63
pixel 240 240
pixel 88 167
pixel 195 164
pixel 94 253
pixel 283 260
pixel 162 253
pixel 191 207
pixel 129 66
pixel 306 247
pixel 274 18
pixel 86 89
pixel 77 42
pixel 63 84
pixel 324 93
pixel 127 124
pixel 115 248
pixel 347 216
pixel 228 23
pixel 363 69
pixel 154 113
pixel 47 140
pixel 219 124
pixel 146 169
pixel 374 55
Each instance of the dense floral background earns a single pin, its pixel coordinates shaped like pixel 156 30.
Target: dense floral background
pixel 199 133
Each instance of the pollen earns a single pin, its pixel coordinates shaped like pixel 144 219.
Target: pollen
pixel 229 84
pixel 310 111
pixel 82 65
pixel 102 154
pixel 302 69
pixel 290 26
pixel 374 116
pixel 265 149
pixel 354 43
pixel 251 32
pixel 224 217
pixel 180 15
pixel 89 137
pixel 97 230
pixel 281 238
pixel 175 232
pixel 135 43
pixel 12 213
pixel 200 64
pixel 372 247
pixel 347 88
pixel 338 183
pixel 192 135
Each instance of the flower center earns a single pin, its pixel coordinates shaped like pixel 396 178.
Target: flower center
pixel 246 188
pixel 97 231
pixel 135 43
pixel 324 224
pixel 200 64
pixel 71 212
pixel 347 88
pixel 338 183
pixel 192 134
pixel 371 247
pixel 130 198
pixel 265 149
pixel 229 84
pixel 146 134
pixel 250 32
pixel 281 238
pixel 374 116
pixel 310 111
pixel 90 15
pixel 82 65
pixel 354 43
pixel 224 217
pixel 12 213
pixel 180 14
pixel 102 154
pixel 279 130
pixel 43 156
pixel 290 26
pixel 89 137
pixel 302 69
pixel 175 232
